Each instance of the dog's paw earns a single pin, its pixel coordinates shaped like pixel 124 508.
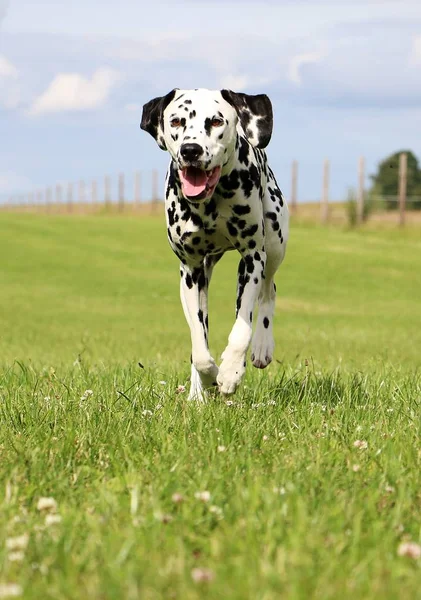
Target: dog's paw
pixel 262 349
pixel 231 372
pixel 203 382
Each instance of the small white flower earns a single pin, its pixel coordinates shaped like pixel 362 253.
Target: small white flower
pixel 361 444
pixel 52 520
pixel 48 504
pixel 180 389
pixel 221 448
pixel 164 518
pixel 17 543
pixel 10 590
pixel 17 556
pixel 229 402
pixel 410 549
pixel 86 394
pixel 177 498
pixel 203 496
pixel 216 510
pixel 47 398
pixel 389 489
pixel 356 468
pixel 163 382
pixel 201 574
pixel 146 413
pixel 265 438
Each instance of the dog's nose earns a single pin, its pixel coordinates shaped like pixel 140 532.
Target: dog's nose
pixel 191 152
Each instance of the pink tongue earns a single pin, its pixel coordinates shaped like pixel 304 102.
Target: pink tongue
pixel 193 181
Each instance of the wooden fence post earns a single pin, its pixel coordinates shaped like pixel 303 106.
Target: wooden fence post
pixel 94 192
pixel 107 191
pixel 325 196
pixel 48 198
pixel 58 198
pixel 294 174
pixel 403 163
pixel 81 192
pixel 137 188
pixel 69 197
pixel 121 192
pixel 360 195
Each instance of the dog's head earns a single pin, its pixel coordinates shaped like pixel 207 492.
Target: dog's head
pixel 199 130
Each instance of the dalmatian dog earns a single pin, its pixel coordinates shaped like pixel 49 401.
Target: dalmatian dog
pixel 221 195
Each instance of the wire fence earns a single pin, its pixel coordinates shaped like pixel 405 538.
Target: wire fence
pixel 121 191
pixel 143 190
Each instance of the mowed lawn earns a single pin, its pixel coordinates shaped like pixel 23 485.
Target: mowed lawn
pixel 305 484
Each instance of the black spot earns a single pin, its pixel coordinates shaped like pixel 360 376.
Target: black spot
pixel 231 229
pixel 196 220
pixel 208 125
pixel 256 281
pixel 249 231
pixel 187 101
pixel 241 209
pixel 252 244
pixel 266 322
pixel 200 315
pixel 243 152
pixel 230 181
pixel 249 263
pixel 189 281
pixel 271 215
pixel 246 183
pixel 196 240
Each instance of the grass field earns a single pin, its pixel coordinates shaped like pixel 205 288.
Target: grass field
pixel 312 469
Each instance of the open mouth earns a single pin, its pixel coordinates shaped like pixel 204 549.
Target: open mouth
pixel 197 184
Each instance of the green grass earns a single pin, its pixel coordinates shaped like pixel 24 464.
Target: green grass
pixel 296 510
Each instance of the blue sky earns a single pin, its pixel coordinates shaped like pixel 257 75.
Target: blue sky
pixel 344 79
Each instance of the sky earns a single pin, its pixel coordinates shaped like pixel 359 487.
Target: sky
pixel 344 79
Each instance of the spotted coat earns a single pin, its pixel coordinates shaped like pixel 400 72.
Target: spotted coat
pixel 221 135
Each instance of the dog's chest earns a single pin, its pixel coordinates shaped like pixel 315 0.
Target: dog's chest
pixel 199 231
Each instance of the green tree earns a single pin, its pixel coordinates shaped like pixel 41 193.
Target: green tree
pixel 386 180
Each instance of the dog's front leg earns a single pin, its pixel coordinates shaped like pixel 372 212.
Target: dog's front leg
pixel 250 274
pixel 194 299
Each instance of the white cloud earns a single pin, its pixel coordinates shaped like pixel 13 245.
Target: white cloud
pixel 299 61
pixel 7 69
pixel 73 92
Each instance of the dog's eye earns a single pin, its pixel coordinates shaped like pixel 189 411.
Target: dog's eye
pixel 217 122
pixel 175 122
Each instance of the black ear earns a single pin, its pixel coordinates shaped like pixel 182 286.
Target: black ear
pixel 255 114
pixel 153 117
